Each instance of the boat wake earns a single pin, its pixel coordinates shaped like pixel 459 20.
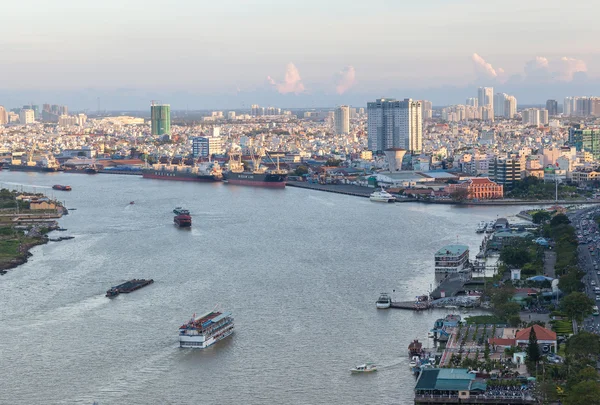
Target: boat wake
pixel 25 185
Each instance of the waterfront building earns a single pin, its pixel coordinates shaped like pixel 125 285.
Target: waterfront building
pixel 585 140
pixel 395 124
pixel 452 259
pixel 480 188
pixel 552 107
pixel 505 171
pixel 341 119
pixel 26 116
pixel 160 117
pixel 447 385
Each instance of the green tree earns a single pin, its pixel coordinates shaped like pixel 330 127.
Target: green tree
pixel 577 306
pixel 301 170
pixel 571 281
pixel 533 349
pixel 559 219
pixel 333 162
pixel 459 194
pixel 540 216
pixel 583 345
pixel 584 393
pixel 515 255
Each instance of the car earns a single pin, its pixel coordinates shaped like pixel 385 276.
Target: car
pixel 597 297
pixel 598 272
pixel 593 282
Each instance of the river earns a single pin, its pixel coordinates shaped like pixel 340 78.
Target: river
pixel 299 269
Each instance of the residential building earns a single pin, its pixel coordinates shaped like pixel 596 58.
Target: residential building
pixel 426 109
pixel 485 97
pixel 26 116
pixel 510 107
pixel 160 116
pixel 3 116
pixel 394 124
pixel 67 120
pixel 584 176
pixel 473 102
pixel 535 116
pixel 585 140
pixel 505 171
pixel 341 120
pixel 231 115
pixel 552 107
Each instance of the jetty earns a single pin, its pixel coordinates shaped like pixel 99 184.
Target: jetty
pixel 128 287
pixel 411 305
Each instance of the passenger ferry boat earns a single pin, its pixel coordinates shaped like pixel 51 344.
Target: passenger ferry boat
pixel 203 331
pixel 382 196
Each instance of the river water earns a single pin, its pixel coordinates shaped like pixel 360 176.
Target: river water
pixel 299 269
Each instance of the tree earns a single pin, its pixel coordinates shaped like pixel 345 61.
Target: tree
pixel 571 281
pixel 577 306
pixel 515 255
pixel 540 216
pixel 459 194
pixel 584 393
pixel 583 345
pixel 301 171
pixel 559 219
pixel 333 162
pixel 533 349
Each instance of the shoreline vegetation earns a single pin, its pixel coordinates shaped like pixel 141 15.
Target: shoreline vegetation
pixel 25 220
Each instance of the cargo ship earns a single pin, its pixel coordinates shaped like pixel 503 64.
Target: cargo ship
pixel 199 171
pixel 183 219
pixel 203 331
pixel 128 287
pixel 258 177
pixel 61 187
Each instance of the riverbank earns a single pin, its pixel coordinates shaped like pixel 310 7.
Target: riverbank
pixel 360 191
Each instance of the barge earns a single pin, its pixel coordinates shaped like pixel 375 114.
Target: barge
pixel 128 287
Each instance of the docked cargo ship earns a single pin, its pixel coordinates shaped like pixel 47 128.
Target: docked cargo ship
pixel 203 172
pixel 21 161
pixel 203 331
pixel 259 176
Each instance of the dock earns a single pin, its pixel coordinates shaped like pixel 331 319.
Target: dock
pixel 346 189
pixel 411 305
pixel 128 287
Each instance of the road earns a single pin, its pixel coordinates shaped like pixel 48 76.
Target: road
pixel 589 259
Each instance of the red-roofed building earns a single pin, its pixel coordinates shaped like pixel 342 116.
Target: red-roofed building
pixel 480 188
pixel 545 337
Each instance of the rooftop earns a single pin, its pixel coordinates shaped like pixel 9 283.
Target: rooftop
pixel 452 250
pixel 444 379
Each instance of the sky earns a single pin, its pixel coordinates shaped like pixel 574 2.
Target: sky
pixel 201 54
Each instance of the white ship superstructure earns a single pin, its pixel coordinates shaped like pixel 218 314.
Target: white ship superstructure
pixel 203 331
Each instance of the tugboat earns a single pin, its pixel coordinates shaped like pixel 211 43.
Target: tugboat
pixel 61 187
pixel 183 219
pixel 384 301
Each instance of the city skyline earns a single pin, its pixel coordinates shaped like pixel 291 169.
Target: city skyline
pixel 231 61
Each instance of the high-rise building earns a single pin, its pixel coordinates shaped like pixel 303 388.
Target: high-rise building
pixel 485 97
pixel 160 117
pixel 499 99
pixel 204 146
pixel 341 119
pixel 3 116
pixel 568 108
pixel 426 109
pixel 67 120
pixel 510 107
pixel 585 140
pixel 505 171
pixel 394 124
pixel 26 116
pixel 552 107
pixel 51 113
pixel 81 119
pixel 543 116
pixel 473 102
pixel 230 115
pixel 535 116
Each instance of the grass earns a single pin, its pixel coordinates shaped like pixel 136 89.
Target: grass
pixel 485 320
pixel 9 248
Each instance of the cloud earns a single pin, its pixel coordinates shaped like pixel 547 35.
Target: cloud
pixel 484 68
pixel 542 69
pixel 345 79
pixel 292 82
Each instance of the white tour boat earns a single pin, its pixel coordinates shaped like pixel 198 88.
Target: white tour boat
pixel 384 301
pixel 203 331
pixel 364 368
pixel 481 227
pixel 382 196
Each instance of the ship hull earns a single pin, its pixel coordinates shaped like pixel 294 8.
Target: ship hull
pixel 179 176
pixel 189 342
pixel 23 168
pixel 257 180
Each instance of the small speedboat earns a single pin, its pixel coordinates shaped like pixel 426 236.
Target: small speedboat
pixel 131 202
pixel 384 301
pixel 364 368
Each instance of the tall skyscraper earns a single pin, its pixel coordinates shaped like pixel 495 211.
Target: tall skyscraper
pixel 568 106
pixel 473 102
pixel 341 119
pixel 510 107
pixel 485 97
pixel 26 116
pixel 3 116
pixel 499 100
pixel 394 124
pixel 426 109
pixel 160 117
pixel 552 107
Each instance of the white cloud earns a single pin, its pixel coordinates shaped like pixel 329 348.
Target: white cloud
pixel 483 67
pixel 543 69
pixel 345 79
pixel 292 82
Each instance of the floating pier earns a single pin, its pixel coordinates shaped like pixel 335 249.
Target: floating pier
pixel 411 305
pixel 128 287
